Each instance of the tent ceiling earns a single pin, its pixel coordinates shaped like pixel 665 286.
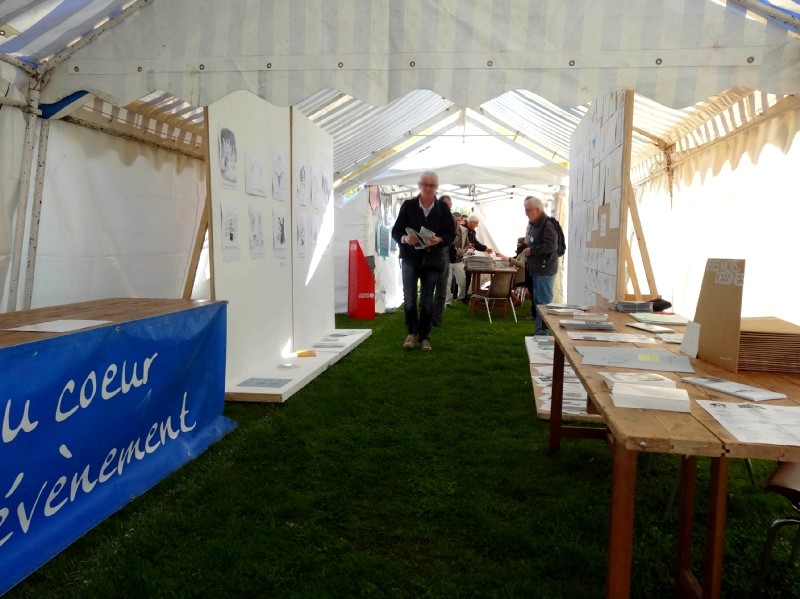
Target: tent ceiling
pixel 468 51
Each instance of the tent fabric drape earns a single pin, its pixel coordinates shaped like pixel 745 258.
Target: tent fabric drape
pixel 469 51
pixel 12 124
pixel 734 200
pixel 470 173
pixel 118 218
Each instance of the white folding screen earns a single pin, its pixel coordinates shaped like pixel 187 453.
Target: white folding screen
pixel 254 275
pixel 312 226
pixel 270 183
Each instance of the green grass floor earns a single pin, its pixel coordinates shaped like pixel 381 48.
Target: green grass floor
pixel 404 474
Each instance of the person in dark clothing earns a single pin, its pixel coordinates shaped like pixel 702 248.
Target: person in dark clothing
pixel 422 265
pixel 541 259
pixel 446 276
pixel 472 224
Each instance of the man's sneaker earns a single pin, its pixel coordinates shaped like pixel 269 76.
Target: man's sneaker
pixel 410 342
pixel 426 345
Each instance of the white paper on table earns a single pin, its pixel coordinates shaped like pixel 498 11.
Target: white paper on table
pixel 755 423
pixel 734 388
pixel 59 326
pixel 691 339
pixel 610 337
pixel 640 358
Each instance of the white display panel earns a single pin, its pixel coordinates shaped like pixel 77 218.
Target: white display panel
pixel 253 275
pixel 597 215
pixel 312 231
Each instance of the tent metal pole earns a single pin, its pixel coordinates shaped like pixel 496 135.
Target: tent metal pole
pixel 16 62
pixel 34 90
pixel 36 212
pixel 70 50
pixel 765 10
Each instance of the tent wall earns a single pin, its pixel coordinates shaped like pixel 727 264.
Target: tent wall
pixel 12 135
pixel 736 199
pixel 118 218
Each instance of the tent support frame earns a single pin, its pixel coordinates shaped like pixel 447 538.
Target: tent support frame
pixel 36 213
pixel 34 91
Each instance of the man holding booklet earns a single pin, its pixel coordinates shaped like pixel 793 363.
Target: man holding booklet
pixel 424 230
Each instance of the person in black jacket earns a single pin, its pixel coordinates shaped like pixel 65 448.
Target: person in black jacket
pixel 422 266
pixel 541 240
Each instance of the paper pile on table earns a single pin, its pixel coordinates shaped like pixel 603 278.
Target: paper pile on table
pixel 637 378
pixel 733 388
pixel 631 306
pixel 626 395
pixel 540 354
pixel 587 325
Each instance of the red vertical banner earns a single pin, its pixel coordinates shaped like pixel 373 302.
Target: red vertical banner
pixel 360 285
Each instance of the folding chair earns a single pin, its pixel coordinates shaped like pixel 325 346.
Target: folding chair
pixel 497 298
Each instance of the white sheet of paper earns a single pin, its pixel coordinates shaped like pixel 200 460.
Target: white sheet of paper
pixel 691 340
pixel 59 326
pixel 231 232
pixel 756 423
pixel 639 358
pixel 610 337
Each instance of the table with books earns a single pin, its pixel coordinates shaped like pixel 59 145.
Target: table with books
pixel 689 420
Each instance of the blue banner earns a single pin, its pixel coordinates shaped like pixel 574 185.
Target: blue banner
pixel 90 420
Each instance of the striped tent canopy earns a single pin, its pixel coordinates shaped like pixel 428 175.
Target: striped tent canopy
pixel 468 51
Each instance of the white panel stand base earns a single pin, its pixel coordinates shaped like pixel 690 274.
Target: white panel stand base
pixel 301 372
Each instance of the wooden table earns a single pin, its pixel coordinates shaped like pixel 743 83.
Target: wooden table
pixel 476 280
pixel 631 431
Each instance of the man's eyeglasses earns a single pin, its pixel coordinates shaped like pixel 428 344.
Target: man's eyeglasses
pixel 428 185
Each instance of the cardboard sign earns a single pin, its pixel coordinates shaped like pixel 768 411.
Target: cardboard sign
pixel 719 312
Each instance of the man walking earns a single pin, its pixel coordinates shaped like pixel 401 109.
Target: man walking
pixel 422 261
pixel 541 261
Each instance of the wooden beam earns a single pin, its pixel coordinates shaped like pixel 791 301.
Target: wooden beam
pixel 627 189
pixel 626 249
pixel 212 291
pixel 639 232
pixel 173 120
pixel 98 122
pixel 197 250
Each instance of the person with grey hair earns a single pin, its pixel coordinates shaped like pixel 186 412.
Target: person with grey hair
pixel 422 262
pixel 541 257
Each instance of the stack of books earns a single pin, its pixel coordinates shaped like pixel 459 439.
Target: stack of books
pixel 590 316
pixel 648 397
pixel 646 390
pixel 769 344
pixel 631 306
pixel 637 378
pixel 479 263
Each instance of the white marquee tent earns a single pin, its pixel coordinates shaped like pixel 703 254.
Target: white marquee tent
pixel 112 173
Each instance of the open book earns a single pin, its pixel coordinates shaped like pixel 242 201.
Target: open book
pixel 422 236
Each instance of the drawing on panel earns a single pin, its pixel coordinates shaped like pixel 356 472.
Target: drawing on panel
pixel 316 188
pixel 279 179
pixel 255 176
pixel 228 157
pixel 327 189
pixel 256 213
pixel 279 229
pixel 230 231
pixel 302 226
pixel 314 232
pixel 302 183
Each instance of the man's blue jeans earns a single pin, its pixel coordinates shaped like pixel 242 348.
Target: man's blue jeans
pixel 418 324
pixel 541 288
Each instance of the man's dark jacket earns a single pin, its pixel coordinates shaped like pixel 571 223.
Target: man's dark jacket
pixel 439 220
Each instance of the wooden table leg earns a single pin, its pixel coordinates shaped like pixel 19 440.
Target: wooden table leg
pixel 686 584
pixel 620 538
pixel 557 398
pixel 715 528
